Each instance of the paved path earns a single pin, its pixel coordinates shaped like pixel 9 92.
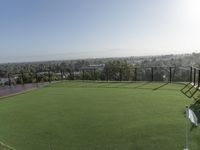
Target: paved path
pixel 7 90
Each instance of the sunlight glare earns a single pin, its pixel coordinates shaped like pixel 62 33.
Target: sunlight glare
pixel 192 10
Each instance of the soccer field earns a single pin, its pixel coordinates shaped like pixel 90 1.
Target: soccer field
pixel 75 115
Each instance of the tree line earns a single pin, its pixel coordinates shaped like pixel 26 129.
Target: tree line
pixel 115 69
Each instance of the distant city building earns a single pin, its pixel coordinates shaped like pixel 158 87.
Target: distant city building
pixel 97 66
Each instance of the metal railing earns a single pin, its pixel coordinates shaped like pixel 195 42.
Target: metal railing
pixel 165 74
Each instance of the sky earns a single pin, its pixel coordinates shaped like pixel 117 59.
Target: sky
pixel 35 30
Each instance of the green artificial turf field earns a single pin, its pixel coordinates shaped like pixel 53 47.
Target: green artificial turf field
pixel 97 116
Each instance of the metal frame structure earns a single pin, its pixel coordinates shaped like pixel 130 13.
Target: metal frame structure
pixel 169 71
pixel 152 72
pixel 195 76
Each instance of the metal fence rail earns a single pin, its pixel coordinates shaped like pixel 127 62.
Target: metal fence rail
pixel 168 74
pixel 164 74
pixel 195 76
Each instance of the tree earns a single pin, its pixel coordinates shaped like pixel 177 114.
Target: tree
pixel 118 70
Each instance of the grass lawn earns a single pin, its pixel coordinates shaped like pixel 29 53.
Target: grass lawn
pixel 97 116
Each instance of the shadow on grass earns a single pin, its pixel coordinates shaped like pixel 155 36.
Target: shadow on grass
pixel 157 88
pixel 140 86
pixel 130 85
pixel 189 90
pixel 190 94
pixel 118 84
pixel 187 85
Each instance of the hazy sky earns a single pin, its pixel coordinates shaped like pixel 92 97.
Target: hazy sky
pixel 69 29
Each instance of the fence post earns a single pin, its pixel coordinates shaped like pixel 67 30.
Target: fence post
pixel 94 73
pixel 170 74
pixel 198 78
pixel 36 77
pixel 120 74
pixel 152 74
pixel 22 74
pixel 61 75
pixel 49 76
pixel 194 80
pixel 72 74
pixel 91 74
pixel 83 77
pixel 107 74
pixel 9 81
pixel 191 74
pixel 135 74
